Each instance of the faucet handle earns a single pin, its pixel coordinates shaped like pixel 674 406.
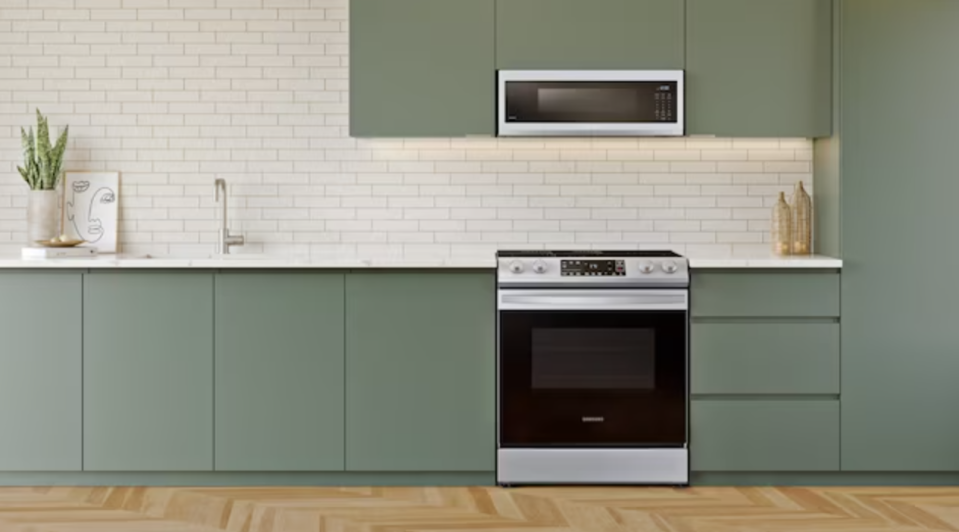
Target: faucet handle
pixel 217 183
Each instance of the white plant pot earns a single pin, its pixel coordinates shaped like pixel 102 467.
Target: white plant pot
pixel 43 215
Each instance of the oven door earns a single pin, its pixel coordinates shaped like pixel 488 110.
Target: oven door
pixel 593 368
pixel 590 103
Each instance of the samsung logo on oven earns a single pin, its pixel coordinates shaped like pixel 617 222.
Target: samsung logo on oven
pixel 593 419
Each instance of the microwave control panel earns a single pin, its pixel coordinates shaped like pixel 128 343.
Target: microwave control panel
pixel 665 108
pixel 593 268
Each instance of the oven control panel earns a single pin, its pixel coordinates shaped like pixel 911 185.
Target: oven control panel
pixel 585 270
pixel 592 268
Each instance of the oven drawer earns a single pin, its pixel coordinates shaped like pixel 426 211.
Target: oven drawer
pixel 764 435
pixel 765 294
pixel 764 358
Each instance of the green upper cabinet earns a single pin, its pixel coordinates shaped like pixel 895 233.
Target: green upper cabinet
pixel 40 371
pixel 421 68
pixel 589 34
pixel 420 379
pixel 758 68
pixel 279 371
pixel 148 371
pixel 900 340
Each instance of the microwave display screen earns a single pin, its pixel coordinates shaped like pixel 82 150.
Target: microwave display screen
pixel 593 102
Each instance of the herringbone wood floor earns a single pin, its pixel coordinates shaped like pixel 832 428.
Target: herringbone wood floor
pixel 477 509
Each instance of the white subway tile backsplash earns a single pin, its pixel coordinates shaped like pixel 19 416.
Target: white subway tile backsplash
pixel 175 93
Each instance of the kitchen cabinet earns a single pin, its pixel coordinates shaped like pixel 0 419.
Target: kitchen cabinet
pixel 148 371
pixel 788 358
pixel 420 378
pixel 758 68
pixel 422 68
pixel 40 371
pixel 898 233
pixel 764 435
pixel 598 34
pixel 765 293
pixel 279 371
pixel 765 370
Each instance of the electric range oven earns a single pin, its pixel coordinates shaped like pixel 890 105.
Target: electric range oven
pixel 593 368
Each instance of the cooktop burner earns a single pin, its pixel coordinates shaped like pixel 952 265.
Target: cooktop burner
pixel 588 253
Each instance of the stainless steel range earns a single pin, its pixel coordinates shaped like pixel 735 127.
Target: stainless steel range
pixel 593 367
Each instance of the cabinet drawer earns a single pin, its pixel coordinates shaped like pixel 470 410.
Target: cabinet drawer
pixel 765 358
pixel 739 435
pixel 761 294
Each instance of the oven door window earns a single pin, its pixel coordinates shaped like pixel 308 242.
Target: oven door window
pixel 592 379
pixel 593 359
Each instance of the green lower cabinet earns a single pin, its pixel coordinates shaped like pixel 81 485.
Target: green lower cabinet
pixel 764 435
pixel 279 371
pixel 40 371
pixel 420 371
pixel 765 293
pixel 148 371
pixel 764 358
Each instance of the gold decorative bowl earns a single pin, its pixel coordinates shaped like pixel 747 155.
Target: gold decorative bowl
pixel 60 244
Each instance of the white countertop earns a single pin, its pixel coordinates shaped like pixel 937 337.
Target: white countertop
pixel 276 262
pixel 767 261
pixel 238 262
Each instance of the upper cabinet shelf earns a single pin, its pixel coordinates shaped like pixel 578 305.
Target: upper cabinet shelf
pixel 589 34
pixel 754 68
pixel 759 68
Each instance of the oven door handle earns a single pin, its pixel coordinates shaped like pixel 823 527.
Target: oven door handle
pixel 593 300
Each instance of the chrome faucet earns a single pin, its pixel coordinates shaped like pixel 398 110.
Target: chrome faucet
pixel 224 239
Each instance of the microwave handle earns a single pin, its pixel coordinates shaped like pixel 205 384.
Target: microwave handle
pixel 642 300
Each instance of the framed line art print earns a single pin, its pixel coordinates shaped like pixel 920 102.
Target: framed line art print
pixel 91 208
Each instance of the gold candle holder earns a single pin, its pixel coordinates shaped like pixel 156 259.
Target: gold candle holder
pixel 781 226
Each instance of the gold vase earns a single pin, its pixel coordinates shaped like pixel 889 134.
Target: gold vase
pixel 801 221
pixel 781 226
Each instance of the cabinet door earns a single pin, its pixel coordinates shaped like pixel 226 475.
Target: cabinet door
pixel 279 371
pixel 40 372
pixel 771 435
pixel 764 294
pixel 420 386
pixel 421 68
pixel 900 343
pixel 148 371
pixel 764 358
pixel 759 68
pixel 593 34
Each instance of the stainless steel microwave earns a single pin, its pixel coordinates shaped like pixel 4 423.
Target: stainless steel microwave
pixel 587 103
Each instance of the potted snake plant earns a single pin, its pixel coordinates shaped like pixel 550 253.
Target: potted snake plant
pixel 41 170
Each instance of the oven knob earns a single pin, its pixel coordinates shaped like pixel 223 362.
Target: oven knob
pixel 670 267
pixel 646 267
pixel 539 267
pixel 516 266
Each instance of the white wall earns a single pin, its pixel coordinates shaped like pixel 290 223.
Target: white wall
pixel 174 93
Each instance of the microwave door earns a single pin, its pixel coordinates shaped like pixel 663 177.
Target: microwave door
pixel 532 104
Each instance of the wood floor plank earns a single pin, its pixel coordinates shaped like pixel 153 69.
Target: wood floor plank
pixel 478 509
